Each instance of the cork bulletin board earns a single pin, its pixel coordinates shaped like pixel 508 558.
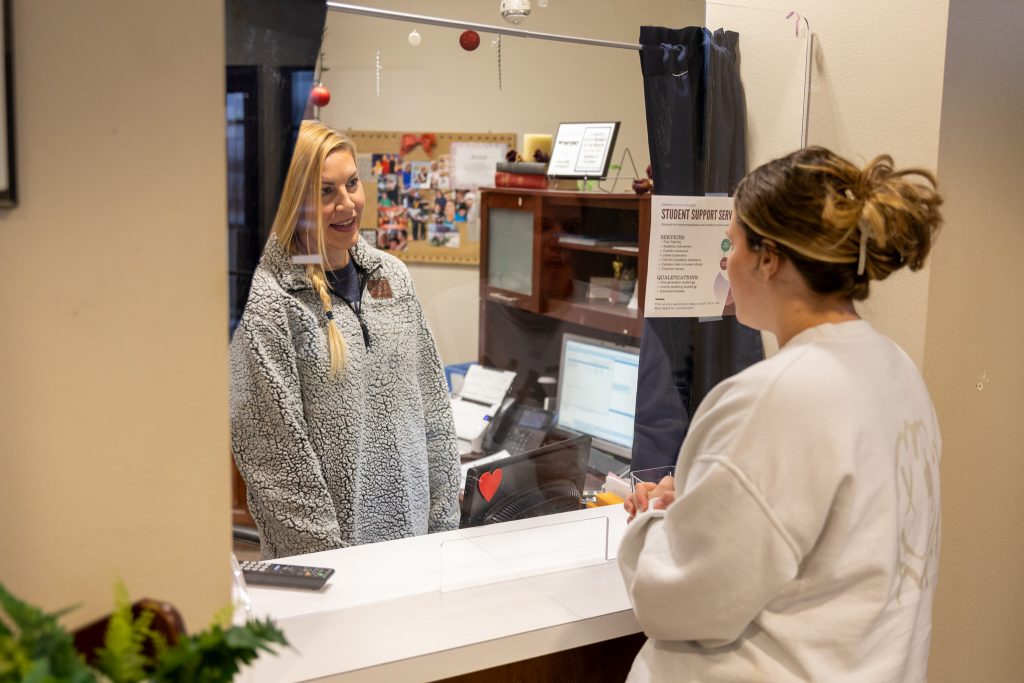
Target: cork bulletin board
pixel 415 208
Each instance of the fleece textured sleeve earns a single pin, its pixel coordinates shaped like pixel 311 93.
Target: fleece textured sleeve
pixel 442 450
pixel 287 492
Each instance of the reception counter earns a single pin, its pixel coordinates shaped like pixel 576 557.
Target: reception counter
pixel 446 605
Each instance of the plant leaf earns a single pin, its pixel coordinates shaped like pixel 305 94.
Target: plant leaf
pixel 217 654
pixel 40 640
pixel 122 658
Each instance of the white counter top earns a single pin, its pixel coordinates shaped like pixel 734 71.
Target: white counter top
pixel 409 609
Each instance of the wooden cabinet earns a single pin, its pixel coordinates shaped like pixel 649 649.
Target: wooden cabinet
pixel 548 265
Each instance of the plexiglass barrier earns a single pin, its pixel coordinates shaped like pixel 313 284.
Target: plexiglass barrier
pixel 483 557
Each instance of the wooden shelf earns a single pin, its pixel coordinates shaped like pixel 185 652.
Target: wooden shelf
pixel 524 332
pixel 612 317
pixel 599 249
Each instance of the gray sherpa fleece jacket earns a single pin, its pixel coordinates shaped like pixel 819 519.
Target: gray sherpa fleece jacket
pixel 367 456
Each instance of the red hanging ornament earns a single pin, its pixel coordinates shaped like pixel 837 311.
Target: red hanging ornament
pixel 320 96
pixel 469 40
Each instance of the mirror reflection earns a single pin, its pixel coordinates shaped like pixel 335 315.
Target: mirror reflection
pixel 340 419
pixel 382 277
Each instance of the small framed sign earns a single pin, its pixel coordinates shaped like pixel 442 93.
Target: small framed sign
pixel 583 150
pixel 8 197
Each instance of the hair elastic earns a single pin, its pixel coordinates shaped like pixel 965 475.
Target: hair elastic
pixel 330 315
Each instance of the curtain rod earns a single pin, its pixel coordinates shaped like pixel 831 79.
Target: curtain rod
pixel 485 28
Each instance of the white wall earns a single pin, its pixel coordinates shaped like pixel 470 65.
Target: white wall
pixel 976 334
pixel 113 415
pixel 876 87
pixel 439 86
pixel 884 79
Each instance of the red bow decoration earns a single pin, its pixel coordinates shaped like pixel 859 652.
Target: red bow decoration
pixel 426 141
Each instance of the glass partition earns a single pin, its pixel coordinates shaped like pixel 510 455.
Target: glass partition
pixel 542 259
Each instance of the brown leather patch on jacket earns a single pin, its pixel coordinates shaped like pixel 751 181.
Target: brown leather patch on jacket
pixel 379 289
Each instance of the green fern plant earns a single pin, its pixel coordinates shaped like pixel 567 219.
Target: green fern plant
pixel 122 657
pixel 35 648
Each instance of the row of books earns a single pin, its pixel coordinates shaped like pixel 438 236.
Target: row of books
pixel 529 175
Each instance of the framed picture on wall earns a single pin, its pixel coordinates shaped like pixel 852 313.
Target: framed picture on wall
pixel 8 197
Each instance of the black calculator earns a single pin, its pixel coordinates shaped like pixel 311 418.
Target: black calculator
pixel 272 573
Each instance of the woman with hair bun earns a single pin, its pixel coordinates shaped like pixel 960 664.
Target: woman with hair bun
pixel 799 538
pixel 341 424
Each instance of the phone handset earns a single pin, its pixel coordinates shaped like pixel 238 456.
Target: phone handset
pixel 498 426
pixel 516 428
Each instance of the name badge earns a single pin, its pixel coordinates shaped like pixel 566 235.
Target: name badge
pixel 379 289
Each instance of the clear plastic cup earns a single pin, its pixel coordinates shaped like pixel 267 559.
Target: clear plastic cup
pixel 652 475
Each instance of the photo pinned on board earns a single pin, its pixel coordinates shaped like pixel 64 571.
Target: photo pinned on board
pixel 419 211
pixel 443 234
pixel 385 164
pixel 418 175
pixel 392 239
pixel 389 191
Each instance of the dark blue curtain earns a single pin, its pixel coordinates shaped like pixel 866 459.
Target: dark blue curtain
pixel 696 123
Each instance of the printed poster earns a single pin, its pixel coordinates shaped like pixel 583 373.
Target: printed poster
pixel 686 266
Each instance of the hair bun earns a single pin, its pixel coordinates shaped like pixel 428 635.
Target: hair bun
pixel 899 217
pixel 841 225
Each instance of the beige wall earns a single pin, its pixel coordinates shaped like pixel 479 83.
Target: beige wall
pixel 439 86
pixel 883 80
pixel 113 414
pixel 876 87
pixel 976 334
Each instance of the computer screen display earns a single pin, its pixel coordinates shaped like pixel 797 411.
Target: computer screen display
pixel 597 392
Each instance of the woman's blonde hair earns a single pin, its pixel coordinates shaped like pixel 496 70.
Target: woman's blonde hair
pixel 842 226
pixel 300 210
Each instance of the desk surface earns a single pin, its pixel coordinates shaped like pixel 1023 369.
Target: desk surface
pixel 445 604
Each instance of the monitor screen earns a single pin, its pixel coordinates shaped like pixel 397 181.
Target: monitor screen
pixel 540 482
pixel 583 150
pixel 597 392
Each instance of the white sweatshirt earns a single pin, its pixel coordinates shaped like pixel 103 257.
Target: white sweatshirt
pixel 803 543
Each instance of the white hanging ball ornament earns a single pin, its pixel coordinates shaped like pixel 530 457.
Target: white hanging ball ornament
pixel 514 11
pixel 542 3
pixel 415 38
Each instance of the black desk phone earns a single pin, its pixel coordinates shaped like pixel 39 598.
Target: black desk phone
pixel 516 428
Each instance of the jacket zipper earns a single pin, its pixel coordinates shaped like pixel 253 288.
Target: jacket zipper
pixel 357 310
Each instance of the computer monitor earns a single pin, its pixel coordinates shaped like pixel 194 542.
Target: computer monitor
pixel 597 392
pixel 540 482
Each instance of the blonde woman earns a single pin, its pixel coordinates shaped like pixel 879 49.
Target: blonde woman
pixel 340 421
pixel 799 539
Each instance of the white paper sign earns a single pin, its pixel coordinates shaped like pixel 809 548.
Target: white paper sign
pixel 581 150
pixel 686 276
pixel 473 163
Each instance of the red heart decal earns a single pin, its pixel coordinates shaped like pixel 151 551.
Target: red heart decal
pixel 488 484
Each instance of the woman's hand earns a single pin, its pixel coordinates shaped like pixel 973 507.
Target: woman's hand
pixel 645 494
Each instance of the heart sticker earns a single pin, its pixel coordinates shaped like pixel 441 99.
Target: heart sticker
pixel 488 484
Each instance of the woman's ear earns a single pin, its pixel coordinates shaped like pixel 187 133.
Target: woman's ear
pixel 769 260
